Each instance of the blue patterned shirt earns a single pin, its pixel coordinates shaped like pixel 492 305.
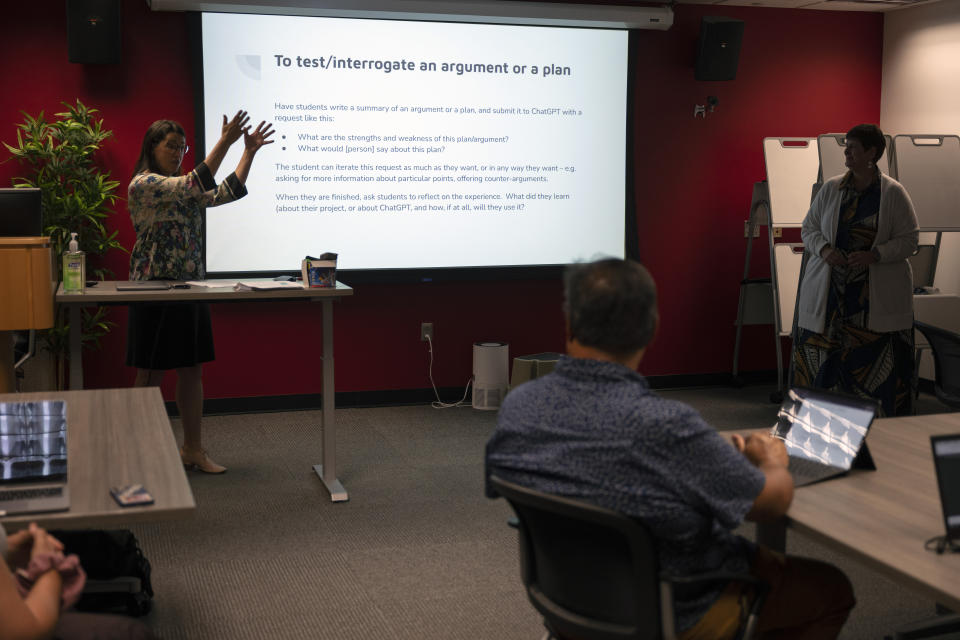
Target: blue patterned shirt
pixel 595 431
pixel 167 217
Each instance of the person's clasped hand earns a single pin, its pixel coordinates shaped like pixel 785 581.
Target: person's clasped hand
pixel 19 545
pixel 836 258
pixel 861 258
pixel 33 552
pixel 833 257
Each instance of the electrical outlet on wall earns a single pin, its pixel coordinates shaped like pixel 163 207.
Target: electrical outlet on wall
pixel 426 331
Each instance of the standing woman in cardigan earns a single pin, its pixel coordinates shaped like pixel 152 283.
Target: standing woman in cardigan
pixel 166 211
pixel 855 313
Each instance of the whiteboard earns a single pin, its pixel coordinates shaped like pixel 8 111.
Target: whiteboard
pixel 832 162
pixel 792 166
pixel 788 282
pixel 928 165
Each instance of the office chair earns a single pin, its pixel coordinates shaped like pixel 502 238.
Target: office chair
pixel 946 362
pixel 594 573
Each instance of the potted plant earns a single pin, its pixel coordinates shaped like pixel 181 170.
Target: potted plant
pixel 59 157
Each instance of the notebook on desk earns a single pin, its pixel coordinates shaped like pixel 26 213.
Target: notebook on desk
pixel 143 285
pixel 33 454
pixel 824 433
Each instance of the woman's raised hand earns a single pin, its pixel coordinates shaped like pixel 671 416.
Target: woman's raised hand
pixel 232 130
pixel 255 139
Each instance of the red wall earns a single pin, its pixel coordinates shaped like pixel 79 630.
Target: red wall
pixel 801 73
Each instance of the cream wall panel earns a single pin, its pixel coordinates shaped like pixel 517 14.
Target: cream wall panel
pixel 920 92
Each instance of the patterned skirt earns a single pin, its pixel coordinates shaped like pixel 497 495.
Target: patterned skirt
pixel 860 362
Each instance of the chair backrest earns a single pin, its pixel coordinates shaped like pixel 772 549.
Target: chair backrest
pixel 591 572
pixel 946 361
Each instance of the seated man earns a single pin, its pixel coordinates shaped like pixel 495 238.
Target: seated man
pixel 593 430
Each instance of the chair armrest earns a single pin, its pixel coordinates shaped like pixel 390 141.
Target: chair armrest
pixel 761 586
pixel 715 576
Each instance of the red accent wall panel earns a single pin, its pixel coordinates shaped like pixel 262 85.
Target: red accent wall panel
pixel 800 73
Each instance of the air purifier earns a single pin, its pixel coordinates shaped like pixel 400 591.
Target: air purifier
pixel 490 374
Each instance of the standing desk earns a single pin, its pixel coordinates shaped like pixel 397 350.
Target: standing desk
pixel 114 437
pixel 105 293
pixel 882 518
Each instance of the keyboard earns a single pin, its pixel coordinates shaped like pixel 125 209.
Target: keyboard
pixel 143 285
pixel 806 471
pixel 9 495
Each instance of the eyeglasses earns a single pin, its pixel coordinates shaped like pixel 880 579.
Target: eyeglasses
pixel 176 148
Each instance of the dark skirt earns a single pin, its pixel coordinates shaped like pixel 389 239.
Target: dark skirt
pixel 169 335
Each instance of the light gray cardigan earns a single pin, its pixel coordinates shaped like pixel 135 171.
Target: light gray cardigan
pixel 891 280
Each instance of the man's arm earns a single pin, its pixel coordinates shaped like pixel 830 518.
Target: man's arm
pixel 770 456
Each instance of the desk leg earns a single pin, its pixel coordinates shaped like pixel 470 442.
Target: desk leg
pixel 773 535
pixel 8 375
pixel 328 470
pixel 76 359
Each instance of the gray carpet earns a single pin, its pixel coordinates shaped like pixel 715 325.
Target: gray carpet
pixel 417 551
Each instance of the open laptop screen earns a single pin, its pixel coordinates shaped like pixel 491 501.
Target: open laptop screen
pixel 823 426
pixel 33 441
pixel 946 459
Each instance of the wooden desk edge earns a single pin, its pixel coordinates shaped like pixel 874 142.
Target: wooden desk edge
pixel 106 293
pixel 857 555
pixel 98 520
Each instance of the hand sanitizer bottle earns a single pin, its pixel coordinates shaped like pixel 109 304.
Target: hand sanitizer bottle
pixel 74 267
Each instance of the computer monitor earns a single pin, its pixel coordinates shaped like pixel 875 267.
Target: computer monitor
pixel 21 213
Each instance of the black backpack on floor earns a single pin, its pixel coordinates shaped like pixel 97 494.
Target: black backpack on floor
pixel 118 574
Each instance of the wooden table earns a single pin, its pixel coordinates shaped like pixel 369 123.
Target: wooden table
pixel 25 302
pixel 114 437
pixel 882 518
pixel 105 293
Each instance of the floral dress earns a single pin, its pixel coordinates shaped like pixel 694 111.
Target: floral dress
pixel 167 217
pixel 848 357
pixel 166 214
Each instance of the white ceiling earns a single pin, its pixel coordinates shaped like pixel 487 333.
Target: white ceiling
pixel 831 5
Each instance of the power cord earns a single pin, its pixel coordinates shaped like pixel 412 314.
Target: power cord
pixel 942 544
pixel 438 404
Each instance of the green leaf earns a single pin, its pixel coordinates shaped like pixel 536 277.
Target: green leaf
pixel 59 156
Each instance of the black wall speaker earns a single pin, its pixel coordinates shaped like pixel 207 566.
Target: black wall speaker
pixel 718 48
pixel 93 31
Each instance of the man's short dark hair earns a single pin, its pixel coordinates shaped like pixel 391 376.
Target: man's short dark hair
pixel 870 137
pixel 611 305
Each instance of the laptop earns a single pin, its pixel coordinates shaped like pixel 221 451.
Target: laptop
pixel 33 455
pixel 143 285
pixel 824 433
pixel 946 460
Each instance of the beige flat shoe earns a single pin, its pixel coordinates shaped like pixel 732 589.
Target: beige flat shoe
pixel 200 461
